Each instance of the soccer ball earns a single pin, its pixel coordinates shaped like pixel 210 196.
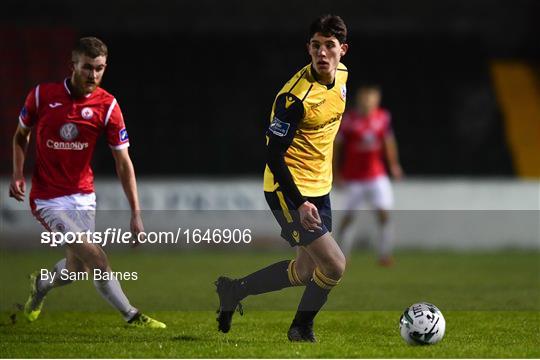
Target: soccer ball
pixel 422 324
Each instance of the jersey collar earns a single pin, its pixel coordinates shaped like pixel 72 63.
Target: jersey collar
pixel 313 74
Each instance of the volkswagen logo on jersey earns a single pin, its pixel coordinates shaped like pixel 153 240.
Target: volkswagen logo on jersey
pixel 87 113
pixel 69 131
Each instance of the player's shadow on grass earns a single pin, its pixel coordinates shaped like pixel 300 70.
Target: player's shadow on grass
pixel 185 338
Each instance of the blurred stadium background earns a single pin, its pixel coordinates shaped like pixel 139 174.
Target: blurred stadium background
pixel 196 80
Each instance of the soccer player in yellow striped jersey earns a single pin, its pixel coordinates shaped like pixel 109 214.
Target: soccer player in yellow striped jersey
pixel 306 114
pixel 298 177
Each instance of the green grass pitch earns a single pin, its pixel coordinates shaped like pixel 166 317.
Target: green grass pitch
pixel 491 303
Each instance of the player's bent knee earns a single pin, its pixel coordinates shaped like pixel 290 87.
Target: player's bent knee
pixel 336 268
pixel 336 271
pixel 340 270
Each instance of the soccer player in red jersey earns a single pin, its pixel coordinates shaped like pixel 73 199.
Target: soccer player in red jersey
pixel 366 139
pixel 67 118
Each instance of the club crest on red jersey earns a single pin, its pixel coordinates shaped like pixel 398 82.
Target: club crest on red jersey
pixel 87 113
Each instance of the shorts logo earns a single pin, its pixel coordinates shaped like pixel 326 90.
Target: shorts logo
pixel 123 135
pixel 87 113
pixel 343 92
pixel 279 128
pixel 69 131
pixel 296 236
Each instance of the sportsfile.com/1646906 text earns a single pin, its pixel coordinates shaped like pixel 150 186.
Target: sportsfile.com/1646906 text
pixel 118 236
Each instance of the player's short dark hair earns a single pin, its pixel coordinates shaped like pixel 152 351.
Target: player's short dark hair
pixel 91 47
pixel 329 25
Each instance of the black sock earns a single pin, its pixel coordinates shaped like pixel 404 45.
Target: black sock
pixel 271 278
pixel 314 298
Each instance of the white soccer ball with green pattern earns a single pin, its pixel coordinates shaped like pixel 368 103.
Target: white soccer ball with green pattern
pixel 422 324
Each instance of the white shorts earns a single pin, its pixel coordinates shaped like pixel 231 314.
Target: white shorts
pixel 376 193
pixel 70 213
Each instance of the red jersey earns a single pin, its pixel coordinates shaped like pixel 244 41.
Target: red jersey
pixel 363 137
pixel 66 131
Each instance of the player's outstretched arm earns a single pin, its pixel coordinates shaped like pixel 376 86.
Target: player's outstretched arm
pixel 21 139
pixel 126 174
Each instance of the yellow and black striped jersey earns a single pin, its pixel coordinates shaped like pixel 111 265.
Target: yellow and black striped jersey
pixel 306 116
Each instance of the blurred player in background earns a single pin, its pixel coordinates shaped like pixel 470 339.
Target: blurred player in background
pixel 365 141
pixel 68 117
pixel 297 181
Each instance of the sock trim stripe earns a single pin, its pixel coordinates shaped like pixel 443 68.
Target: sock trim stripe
pixel 325 278
pixel 293 275
pixel 323 281
pixel 321 284
pixel 296 277
pixel 289 273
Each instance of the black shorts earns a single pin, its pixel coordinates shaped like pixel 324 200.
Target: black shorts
pixel 288 218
